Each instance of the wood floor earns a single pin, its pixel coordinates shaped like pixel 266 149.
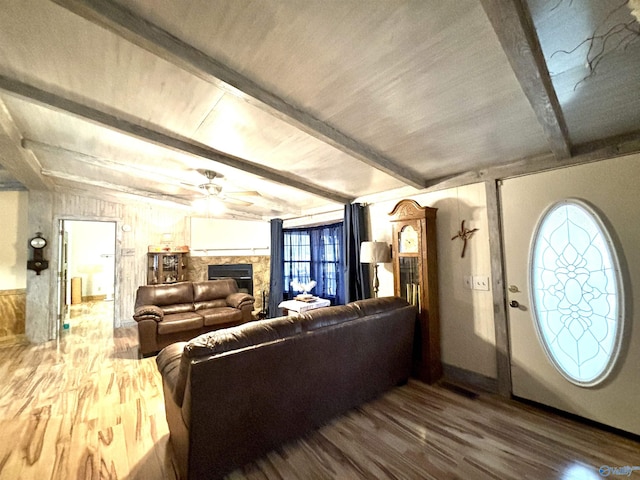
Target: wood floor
pixel 86 408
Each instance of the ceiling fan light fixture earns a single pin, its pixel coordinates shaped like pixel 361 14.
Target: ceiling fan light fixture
pixel 210 206
pixel 211 188
pixel 215 206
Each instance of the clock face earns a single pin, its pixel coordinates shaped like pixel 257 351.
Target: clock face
pixel 408 241
pixel 38 242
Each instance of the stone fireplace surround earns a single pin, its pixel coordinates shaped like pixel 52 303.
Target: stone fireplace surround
pixel 197 271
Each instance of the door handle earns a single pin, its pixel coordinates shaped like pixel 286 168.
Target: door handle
pixel 514 304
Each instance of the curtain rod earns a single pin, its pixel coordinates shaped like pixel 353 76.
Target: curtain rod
pixel 311 215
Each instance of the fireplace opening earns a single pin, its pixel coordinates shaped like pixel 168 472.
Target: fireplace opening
pixel 242 273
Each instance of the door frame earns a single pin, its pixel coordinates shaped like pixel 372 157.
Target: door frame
pixel 59 222
pixel 499 287
pixel 62 276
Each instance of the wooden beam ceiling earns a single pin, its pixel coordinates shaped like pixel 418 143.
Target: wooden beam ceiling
pixel 108 164
pixel 21 165
pixel 597 151
pixel 115 190
pixel 136 171
pixel 135 29
pixel 111 186
pixel 121 122
pixel 513 25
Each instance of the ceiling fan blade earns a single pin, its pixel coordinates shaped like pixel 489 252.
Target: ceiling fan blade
pixel 235 201
pixel 246 193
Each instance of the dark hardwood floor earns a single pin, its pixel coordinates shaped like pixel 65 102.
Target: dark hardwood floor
pixel 86 407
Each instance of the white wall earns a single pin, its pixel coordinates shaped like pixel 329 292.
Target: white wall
pixel 466 316
pixel 221 237
pixel 14 250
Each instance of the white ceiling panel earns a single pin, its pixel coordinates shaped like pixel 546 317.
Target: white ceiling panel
pixel 309 103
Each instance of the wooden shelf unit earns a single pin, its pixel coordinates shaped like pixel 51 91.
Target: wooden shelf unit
pixel 166 267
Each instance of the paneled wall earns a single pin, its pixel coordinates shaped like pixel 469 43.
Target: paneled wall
pixel 12 312
pixel 147 221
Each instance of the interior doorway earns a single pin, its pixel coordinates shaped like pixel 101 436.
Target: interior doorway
pixel 86 268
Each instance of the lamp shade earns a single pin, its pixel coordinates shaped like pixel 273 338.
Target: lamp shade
pixel 374 252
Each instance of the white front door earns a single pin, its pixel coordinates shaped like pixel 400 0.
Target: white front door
pixel 611 188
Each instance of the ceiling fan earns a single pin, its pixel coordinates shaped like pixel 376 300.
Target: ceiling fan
pixel 213 188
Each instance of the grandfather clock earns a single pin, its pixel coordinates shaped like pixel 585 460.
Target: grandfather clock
pixel 415 272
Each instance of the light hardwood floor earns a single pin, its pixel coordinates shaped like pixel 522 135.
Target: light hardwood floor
pixel 86 407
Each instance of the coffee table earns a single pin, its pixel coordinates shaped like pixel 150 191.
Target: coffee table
pixel 292 307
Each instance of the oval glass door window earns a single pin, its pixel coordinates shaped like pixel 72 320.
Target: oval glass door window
pixel 576 292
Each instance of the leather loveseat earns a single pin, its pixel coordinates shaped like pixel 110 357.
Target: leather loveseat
pixel 180 311
pixel 233 395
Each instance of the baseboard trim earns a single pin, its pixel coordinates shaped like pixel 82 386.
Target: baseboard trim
pixel 18 291
pixel 468 378
pixel 93 298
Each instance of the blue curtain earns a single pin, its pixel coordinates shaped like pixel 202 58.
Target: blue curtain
pixel 315 253
pixel 276 290
pixel 356 275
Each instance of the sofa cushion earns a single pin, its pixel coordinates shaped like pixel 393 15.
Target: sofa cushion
pixel 245 335
pixel 325 317
pixel 219 289
pixel 177 308
pixel 165 295
pixel 178 322
pixel 372 306
pixel 218 303
pixel 222 315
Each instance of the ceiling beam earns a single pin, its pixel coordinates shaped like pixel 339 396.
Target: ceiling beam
pixel 588 153
pixel 144 173
pixel 129 169
pixel 101 193
pixel 135 29
pixel 610 147
pixel 122 122
pixel 20 164
pixel 112 186
pixel 514 27
pixel 82 183
pixel 625 145
pixel 11 185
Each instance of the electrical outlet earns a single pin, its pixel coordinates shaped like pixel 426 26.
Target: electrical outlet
pixel 480 282
pixel 468 282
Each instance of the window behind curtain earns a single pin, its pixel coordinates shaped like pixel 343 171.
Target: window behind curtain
pixel 315 253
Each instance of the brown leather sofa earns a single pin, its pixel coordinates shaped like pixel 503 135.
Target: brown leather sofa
pixel 181 311
pixel 233 395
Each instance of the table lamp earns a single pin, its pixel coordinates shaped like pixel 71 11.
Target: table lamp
pixel 375 252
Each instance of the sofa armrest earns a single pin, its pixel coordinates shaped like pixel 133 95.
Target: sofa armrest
pixel 148 312
pixel 173 367
pixel 239 300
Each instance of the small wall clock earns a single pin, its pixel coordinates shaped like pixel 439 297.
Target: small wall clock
pixel 38 263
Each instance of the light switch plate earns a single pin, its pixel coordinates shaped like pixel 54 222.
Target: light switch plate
pixel 480 282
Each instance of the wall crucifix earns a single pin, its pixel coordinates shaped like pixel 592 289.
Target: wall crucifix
pixel 464 234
